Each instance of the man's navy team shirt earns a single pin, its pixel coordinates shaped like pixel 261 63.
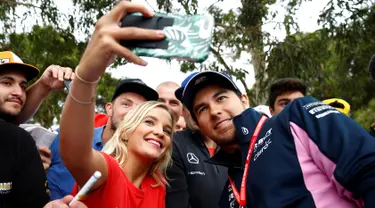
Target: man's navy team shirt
pixel 309 155
pixel 60 181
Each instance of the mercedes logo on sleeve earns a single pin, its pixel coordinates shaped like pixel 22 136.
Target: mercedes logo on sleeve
pixel 192 158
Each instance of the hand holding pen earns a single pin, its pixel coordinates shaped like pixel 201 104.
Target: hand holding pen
pixel 86 188
pixel 71 202
pixel 63 203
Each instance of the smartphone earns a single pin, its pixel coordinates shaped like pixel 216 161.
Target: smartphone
pixel 187 37
pixel 67 84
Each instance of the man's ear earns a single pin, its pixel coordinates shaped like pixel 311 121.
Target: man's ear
pixel 245 100
pixel 109 109
pixel 271 111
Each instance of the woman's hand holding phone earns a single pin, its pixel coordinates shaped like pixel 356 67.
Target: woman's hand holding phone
pixel 104 45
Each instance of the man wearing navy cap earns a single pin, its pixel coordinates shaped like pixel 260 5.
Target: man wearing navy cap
pixel 192 181
pixel 309 155
pixel 128 94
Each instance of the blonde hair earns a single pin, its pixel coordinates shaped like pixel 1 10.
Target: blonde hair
pixel 190 123
pixel 117 145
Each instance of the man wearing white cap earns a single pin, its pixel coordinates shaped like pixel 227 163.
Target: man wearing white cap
pixel 23 161
pixel 51 79
pixel 22 177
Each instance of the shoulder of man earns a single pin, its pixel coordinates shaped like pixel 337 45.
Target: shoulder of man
pixel 245 124
pixel 306 112
pixel 303 104
pixel 15 133
pixel 99 129
pixel 181 137
pixel 302 107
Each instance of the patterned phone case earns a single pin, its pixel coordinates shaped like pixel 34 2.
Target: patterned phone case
pixel 188 39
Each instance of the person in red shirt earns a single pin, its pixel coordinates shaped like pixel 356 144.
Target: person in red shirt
pixel 135 159
pixel 100 119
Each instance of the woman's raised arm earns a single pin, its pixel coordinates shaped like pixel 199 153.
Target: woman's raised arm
pixel 77 121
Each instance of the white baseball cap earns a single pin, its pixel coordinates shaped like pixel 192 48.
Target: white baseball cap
pixel 264 110
pixel 9 60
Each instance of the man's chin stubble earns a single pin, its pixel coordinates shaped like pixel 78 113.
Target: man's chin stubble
pixel 227 139
pixel 9 117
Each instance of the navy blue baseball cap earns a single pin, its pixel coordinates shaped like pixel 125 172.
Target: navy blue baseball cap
pixel 178 92
pixel 201 80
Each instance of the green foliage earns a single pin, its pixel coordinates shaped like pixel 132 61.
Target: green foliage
pixel 44 46
pixel 7 11
pixel 90 11
pixel 332 61
pixel 105 91
pixel 366 115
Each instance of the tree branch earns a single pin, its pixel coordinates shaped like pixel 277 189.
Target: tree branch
pixel 19 3
pixel 209 7
pixel 220 59
pixel 148 3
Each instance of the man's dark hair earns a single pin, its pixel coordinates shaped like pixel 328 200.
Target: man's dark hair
pixel 285 85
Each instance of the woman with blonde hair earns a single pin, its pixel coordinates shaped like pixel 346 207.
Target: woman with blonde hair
pixel 132 163
pixel 141 148
pixel 117 147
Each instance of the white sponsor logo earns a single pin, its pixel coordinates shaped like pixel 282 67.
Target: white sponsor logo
pixel 245 131
pixel 192 159
pixel 232 200
pixel 310 105
pixel 320 109
pixel 199 80
pixel 326 113
pixel 5 188
pixel 196 173
pixel 263 142
pixel 265 147
pixel 138 81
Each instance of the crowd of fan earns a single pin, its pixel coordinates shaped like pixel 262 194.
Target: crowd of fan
pixel 198 144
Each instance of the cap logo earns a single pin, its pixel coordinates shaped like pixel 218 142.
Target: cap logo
pixel 138 81
pixel 4 60
pixel 199 80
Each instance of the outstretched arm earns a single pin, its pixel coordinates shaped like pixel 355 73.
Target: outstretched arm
pixel 77 121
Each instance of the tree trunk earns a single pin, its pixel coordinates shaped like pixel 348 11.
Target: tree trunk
pixel 258 61
pixel 251 18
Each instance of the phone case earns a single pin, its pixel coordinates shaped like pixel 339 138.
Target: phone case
pixel 187 37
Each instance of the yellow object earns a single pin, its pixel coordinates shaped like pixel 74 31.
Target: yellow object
pixel 340 104
pixel 9 60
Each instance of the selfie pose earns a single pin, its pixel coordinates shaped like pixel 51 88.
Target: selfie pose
pixel 133 161
pixel 309 155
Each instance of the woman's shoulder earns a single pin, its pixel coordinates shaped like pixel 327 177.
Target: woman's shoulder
pixel 111 162
pixel 115 173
